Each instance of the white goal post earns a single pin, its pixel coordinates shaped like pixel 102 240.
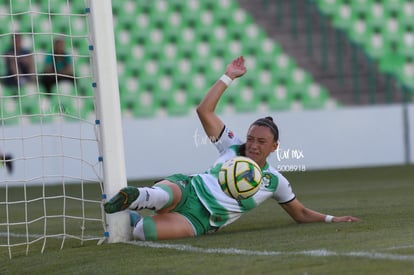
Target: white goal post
pixel 109 111
pixel 65 147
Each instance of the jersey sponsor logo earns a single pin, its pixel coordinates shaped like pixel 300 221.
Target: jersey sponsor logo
pixel 230 134
pixel 270 181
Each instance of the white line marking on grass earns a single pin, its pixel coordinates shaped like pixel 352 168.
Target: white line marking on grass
pixel 400 247
pixel 312 253
pixel 236 251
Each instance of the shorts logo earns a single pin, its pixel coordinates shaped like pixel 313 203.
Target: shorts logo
pixel 230 134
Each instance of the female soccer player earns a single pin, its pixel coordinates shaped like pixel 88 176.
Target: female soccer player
pixel 194 205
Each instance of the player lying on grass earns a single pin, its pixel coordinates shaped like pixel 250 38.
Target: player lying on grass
pixel 187 206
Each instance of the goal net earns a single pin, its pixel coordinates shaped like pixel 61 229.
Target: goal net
pixel 57 61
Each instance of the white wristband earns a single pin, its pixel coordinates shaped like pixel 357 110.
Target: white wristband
pixel 226 79
pixel 328 218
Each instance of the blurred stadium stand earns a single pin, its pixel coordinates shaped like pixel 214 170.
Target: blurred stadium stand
pixel 355 49
pixel 310 54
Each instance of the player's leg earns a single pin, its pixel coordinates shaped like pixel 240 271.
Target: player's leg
pixel 162 197
pixel 163 226
pixel 188 218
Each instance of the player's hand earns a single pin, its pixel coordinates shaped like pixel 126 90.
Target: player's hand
pixel 345 219
pixel 236 68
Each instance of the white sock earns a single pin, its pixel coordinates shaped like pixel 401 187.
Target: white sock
pixel 154 198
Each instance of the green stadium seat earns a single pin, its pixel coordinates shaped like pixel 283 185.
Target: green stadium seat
pixel 179 103
pixel 375 44
pixel 391 62
pixel 406 74
pixel 246 100
pixel 10 111
pixel 328 7
pixel 299 81
pixel 25 21
pixel 283 68
pixel 358 30
pixel 123 43
pixel 194 84
pixel 392 30
pixel 394 5
pixel 377 15
pixel 9 91
pixel 46 111
pixel 3 71
pixel 361 7
pixel 344 16
pixel 263 83
pixel 269 48
pixel 79 6
pixel 45 6
pixel 315 97
pixel 19 6
pixel 42 42
pixel 29 104
pixel 79 26
pixel 280 98
pixel 169 54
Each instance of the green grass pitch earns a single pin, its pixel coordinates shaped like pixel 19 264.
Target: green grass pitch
pixel 266 240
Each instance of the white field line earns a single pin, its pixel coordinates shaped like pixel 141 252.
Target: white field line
pixel 312 253
pixel 236 251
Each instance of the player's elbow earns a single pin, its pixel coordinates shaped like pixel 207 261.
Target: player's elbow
pixel 202 111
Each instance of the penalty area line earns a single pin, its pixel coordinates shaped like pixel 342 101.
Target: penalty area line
pixel 236 251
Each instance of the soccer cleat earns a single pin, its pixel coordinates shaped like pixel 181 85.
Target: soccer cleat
pixel 122 200
pixel 134 218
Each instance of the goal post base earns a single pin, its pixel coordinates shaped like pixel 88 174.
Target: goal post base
pixel 117 231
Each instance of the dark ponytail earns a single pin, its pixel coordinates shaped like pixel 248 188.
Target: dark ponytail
pixel 268 122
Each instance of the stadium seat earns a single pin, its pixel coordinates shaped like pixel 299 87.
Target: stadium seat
pixel 315 97
pixel 179 103
pixel 375 44
pixel 391 62
pixel 328 7
pixel 246 100
pixel 358 29
pixel 344 16
pixel 299 81
pixel 284 66
pixel 29 104
pixel 406 74
pixel 361 7
pixel 170 52
pixel 280 98
pixel 383 29
pixel 10 110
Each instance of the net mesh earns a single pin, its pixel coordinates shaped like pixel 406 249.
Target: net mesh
pixel 50 169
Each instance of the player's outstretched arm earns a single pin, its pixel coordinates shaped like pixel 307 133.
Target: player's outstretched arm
pixel 301 214
pixel 212 124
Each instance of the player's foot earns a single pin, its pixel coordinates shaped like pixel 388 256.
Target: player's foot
pixel 134 218
pixel 8 162
pixel 122 200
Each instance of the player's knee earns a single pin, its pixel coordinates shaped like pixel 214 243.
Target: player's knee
pixel 145 230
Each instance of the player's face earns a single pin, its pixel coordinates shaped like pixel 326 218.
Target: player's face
pixel 259 144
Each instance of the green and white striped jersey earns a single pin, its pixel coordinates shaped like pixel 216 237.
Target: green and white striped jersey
pixel 225 210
